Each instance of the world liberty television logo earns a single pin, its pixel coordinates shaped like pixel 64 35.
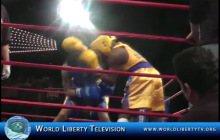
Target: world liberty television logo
pixel 17 128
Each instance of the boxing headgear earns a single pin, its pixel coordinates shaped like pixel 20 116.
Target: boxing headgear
pixel 90 58
pixel 103 44
pixel 73 44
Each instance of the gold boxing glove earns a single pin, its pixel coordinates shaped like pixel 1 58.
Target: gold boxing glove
pixel 73 44
pixel 90 58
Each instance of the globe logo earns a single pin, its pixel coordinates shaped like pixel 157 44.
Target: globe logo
pixel 17 128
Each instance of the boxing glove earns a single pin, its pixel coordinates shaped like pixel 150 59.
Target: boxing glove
pixel 89 92
pixel 73 44
pixel 90 59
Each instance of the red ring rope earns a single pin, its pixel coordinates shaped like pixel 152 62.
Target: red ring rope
pixel 7 101
pixel 168 83
pixel 175 95
pixel 61 92
pixel 122 34
pixel 23 64
pixel 181 111
pixel 45 117
pixel 147 4
pixel 47 91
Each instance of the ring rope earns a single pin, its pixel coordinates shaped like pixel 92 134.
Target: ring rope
pixel 47 91
pixel 121 34
pixel 147 4
pixel 56 67
pixel 53 88
pixel 174 96
pixel 8 101
pixel 45 117
pixel 168 83
pixel 181 111
pixel 61 92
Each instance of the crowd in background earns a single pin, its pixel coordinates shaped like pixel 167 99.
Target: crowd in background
pixel 33 83
pixel 46 83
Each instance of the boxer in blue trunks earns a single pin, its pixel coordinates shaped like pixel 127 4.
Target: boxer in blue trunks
pixel 86 89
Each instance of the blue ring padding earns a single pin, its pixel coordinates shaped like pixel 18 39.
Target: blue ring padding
pixel 167 105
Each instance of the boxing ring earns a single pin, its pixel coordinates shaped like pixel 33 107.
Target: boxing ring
pixel 55 67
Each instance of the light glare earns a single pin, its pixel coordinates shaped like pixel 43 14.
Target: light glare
pixel 72 11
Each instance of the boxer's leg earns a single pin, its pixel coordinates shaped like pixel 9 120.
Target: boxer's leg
pixel 124 117
pixel 103 116
pixel 137 97
pixel 158 105
pixel 141 93
pixel 104 101
pixel 100 102
pixel 64 113
pixel 125 103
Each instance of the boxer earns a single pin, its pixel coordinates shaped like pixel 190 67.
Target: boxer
pixel 143 94
pixel 86 90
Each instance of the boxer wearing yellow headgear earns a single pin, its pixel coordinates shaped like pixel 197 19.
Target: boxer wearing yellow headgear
pixel 103 43
pixel 85 85
pixel 141 93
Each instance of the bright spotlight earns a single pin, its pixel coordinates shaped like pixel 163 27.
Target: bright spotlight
pixel 72 12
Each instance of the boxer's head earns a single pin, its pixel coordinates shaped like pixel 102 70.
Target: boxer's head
pixel 103 44
pixel 197 72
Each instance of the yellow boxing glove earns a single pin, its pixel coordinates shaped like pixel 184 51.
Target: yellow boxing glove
pixel 73 44
pixel 90 58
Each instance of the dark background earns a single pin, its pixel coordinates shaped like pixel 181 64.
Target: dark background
pixel 107 17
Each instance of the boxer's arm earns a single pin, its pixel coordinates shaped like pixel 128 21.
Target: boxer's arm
pixel 66 80
pixel 118 57
pixel 109 79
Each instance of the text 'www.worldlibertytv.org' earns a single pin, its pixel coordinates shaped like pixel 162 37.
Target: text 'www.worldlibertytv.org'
pixel 180 129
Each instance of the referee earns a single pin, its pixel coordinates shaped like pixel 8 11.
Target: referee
pixel 5 39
